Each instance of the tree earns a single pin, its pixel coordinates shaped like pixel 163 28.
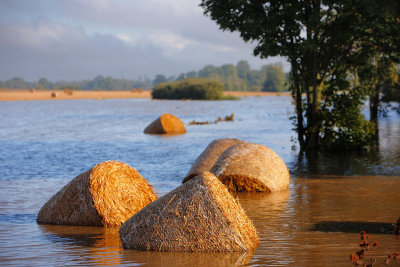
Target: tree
pixel 274 79
pixel 379 75
pixel 243 69
pixel 45 83
pixel 159 79
pixel 316 37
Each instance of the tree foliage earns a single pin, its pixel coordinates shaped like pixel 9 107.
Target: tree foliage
pixel 192 88
pixel 317 37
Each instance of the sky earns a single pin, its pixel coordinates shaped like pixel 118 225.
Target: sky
pixel 132 39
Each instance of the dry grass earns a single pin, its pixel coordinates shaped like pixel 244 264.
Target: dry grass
pixel 23 94
pixel 251 167
pixel 166 124
pixel 200 215
pixel 209 156
pixel 19 95
pixel 242 183
pixel 106 195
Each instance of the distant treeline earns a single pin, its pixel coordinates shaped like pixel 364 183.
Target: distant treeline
pixel 239 77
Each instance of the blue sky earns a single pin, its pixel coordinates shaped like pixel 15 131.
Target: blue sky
pixel 76 39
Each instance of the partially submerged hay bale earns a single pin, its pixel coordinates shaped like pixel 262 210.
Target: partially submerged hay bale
pixel 209 156
pixel 108 194
pixel 200 215
pixel 166 124
pixel 251 167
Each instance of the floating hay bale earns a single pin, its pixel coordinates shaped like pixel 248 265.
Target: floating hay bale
pixel 166 124
pixel 108 194
pixel 251 167
pixel 209 156
pixel 200 215
pixel 68 92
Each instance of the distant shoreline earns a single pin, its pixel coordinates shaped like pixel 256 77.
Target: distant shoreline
pixel 23 95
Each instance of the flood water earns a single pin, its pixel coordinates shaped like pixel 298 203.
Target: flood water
pixel 45 144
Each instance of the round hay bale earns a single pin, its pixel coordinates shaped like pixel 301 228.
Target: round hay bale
pixel 166 124
pixel 68 91
pixel 251 167
pixel 54 94
pixel 209 156
pixel 200 215
pixel 108 194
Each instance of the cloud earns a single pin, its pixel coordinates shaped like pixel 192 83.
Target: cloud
pixel 81 39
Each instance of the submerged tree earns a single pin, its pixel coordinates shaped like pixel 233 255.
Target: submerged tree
pixel 316 37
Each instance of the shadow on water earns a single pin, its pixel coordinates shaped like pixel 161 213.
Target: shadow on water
pixel 353 227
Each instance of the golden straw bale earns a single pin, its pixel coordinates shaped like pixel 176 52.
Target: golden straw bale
pixel 251 167
pixel 200 215
pixel 68 92
pixel 209 156
pixel 166 124
pixel 108 194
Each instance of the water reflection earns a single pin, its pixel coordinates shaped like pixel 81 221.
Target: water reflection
pixel 150 258
pixel 102 246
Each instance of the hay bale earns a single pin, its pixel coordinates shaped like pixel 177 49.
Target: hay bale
pixel 209 156
pixel 166 124
pixel 251 167
pixel 200 215
pixel 54 94
pixel 68 91
pixel 108 194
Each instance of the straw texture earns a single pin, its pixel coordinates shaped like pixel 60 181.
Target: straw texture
pixel 200 215
pixel 166 124
pixel 106 195
pixel 209 156
pixel 251 167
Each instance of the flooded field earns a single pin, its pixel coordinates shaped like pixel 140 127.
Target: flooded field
pixel 44 144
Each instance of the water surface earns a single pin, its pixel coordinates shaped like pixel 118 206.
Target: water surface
pixel 45 144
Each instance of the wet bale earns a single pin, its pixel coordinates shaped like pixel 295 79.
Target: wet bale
pixel 106 195
pixel 251 167
pixel 166 124
pixel 209 156
pixel 200 215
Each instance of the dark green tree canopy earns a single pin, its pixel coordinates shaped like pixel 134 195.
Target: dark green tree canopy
pixel 317 37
